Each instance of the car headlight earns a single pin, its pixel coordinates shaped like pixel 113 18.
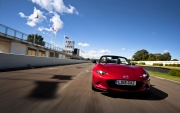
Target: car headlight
pixel 101 72
pixel 145 75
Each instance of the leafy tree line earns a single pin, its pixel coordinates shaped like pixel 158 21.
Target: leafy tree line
pixel 144 55
pixel 38 39
pixel 88 59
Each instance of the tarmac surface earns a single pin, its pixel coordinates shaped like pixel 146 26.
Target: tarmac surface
pixel 67 89
pixel 156 69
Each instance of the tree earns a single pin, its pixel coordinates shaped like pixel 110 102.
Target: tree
pixel 159 57
pixel 141 55
pixel 88 59
pixel 38 39
pixel 167 56
pixel 151 57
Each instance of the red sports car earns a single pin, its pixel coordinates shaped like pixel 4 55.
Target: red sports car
pixel 116 73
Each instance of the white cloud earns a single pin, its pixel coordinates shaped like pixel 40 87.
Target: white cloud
pixel 57 22
pixel 104 51
pixel 55 5
pixel 48 29
pixel 40 29
pixel 84 45
pixel 129 57
pixel 22 15
pixel 43 28
pixel 61 8
pixel 45 4
pixel 123 48
pixel 165 51
pixel 96 54
pixel 32 20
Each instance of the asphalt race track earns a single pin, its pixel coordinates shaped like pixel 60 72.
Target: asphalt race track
pixel 67 89
pixel 156 69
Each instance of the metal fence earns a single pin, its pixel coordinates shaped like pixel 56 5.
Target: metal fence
pixel 23 37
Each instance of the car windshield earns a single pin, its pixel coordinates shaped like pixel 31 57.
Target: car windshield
pixel 113 59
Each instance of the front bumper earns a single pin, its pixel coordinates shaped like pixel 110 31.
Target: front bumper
pixel 108 84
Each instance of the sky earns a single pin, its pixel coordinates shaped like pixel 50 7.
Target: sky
pixel 100 27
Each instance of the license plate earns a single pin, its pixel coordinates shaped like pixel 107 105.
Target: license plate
pixel 125 82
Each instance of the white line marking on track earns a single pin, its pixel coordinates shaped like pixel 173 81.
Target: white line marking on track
pixel 78 75
pixel 159 77
pixel 56 68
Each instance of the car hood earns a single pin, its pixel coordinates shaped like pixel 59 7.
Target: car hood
pixel 123 68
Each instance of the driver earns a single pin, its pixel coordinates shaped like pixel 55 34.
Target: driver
pixel 105 60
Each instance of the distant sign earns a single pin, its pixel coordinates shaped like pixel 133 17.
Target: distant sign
pixel 69 45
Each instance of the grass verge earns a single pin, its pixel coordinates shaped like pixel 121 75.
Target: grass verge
pixel 164 75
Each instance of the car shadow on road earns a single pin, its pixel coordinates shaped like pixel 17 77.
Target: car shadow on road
pixel 44 90
pixel 62 77
pixel 48 89
pixel 79 67
pixel 154 94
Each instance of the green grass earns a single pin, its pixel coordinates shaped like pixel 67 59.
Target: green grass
pixel 164 75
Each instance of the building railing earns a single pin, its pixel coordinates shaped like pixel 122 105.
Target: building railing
pixel 24 37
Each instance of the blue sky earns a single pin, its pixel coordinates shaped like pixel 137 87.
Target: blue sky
pixel 119 27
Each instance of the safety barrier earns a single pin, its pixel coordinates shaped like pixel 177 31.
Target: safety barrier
pixel 10 61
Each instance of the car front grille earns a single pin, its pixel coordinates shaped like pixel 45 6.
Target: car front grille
pixel 111 84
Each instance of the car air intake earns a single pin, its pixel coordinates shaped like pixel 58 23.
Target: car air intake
pixel 98 82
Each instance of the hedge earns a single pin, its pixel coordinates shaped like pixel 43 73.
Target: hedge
pixel 142 63
pixel 134 62
pixel 157 64
pixel 173 65
pixel 174 72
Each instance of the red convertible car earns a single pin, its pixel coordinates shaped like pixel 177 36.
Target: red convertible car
pixel 116 73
